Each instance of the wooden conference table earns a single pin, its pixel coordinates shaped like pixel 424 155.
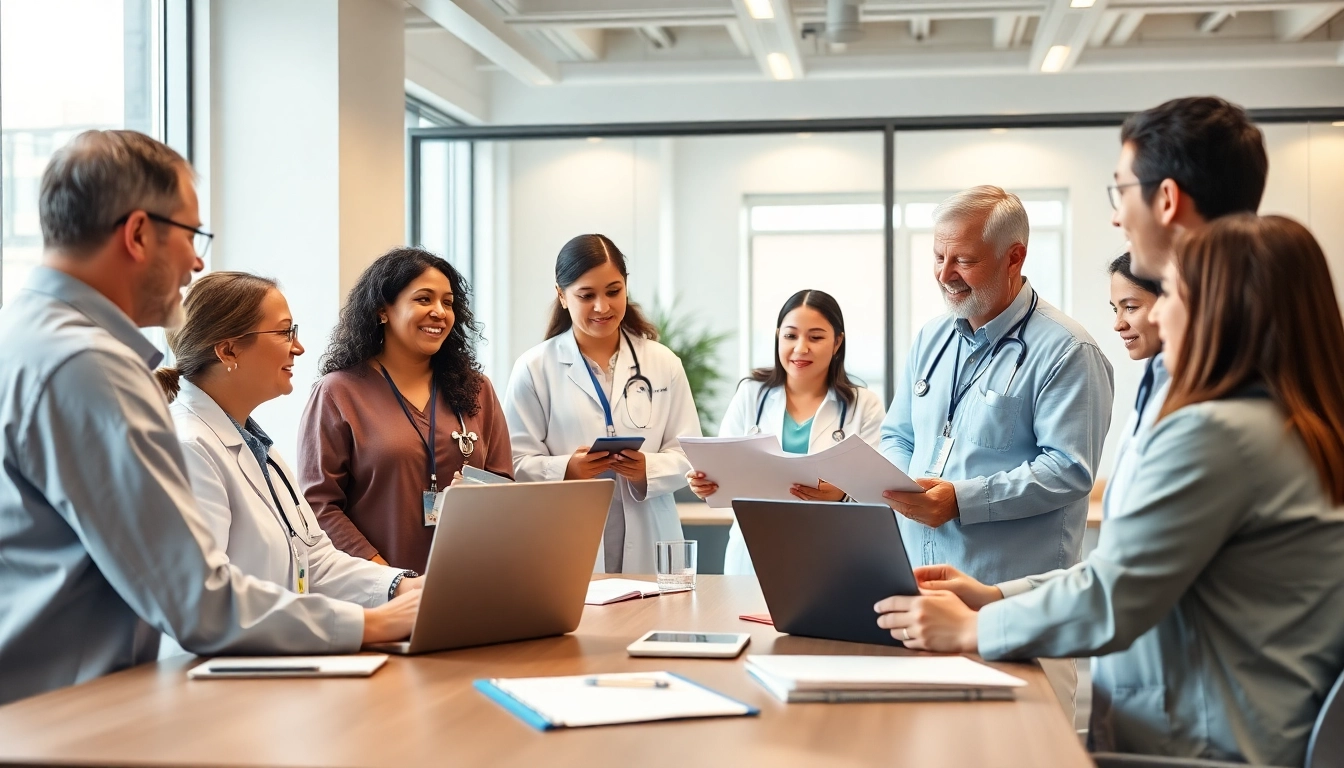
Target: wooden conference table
pixel 423 710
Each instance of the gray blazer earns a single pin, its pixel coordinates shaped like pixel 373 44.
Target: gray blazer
pixel 96 554
pixel 1215 596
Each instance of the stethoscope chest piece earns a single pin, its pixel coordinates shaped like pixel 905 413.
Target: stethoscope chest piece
pixel 838 435
pixel 466 441
pixel 921 388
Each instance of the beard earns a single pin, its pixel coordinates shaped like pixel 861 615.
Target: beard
pixel 160 301
pixel 975 302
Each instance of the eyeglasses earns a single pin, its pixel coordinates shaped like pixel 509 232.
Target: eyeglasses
pixel 200 238
pixel 1113 191
pixel 291 333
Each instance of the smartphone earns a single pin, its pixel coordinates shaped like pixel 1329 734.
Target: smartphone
pixel 478 475
pixel 616 444
pixel 713 645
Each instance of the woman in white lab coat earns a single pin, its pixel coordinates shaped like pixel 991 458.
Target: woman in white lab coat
pixel 806 398
pixel 601 372
pixel 234 351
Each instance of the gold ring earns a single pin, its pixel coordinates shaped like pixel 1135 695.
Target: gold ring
pixel 905 632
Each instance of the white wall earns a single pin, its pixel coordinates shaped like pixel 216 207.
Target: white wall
pixel 621 188
pixel 303 156
pixel 513 102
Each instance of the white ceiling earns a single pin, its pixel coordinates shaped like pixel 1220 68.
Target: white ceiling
pixel 558 42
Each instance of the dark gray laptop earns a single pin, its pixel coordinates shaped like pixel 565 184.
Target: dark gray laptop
pixel 823 565
pixel 508 562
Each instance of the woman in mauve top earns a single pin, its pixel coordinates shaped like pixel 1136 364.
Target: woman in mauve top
pixel 400 362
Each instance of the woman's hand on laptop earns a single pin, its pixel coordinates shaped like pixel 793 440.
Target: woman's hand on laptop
pixel 948 579
pixel 934 621
pixel 410 585
pixel 393 620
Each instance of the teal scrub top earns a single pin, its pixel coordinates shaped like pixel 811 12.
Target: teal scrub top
pixel 796 437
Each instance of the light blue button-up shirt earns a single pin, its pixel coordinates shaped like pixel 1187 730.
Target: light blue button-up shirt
pixel 1023 461
pixel 100 545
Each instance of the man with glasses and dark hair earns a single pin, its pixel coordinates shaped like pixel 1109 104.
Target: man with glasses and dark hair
pixel 100 543
pixel 1181 164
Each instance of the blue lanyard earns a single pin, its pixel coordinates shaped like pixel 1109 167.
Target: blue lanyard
pixel 601 396
pixel 433 409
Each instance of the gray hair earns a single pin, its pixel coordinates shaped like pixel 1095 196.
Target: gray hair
pixel 101 176
pixel 1004 216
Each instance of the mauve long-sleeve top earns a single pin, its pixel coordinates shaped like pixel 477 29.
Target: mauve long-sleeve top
pixel 363 467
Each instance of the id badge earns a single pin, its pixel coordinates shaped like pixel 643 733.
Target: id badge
pixel 432 503
pixel 301 556
pixel 941 451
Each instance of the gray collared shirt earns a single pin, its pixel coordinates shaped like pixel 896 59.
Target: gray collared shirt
pixel 1024 457
pixel 100 548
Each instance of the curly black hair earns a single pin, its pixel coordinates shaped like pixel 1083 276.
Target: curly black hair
pixel 358 335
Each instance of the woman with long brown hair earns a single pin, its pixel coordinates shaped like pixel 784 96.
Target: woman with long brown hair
pixel 234 351
pixel 601 372
pixel 1215 593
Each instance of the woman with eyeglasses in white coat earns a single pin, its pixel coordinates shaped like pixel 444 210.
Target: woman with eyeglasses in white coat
pixel 806 398
pixel 602 373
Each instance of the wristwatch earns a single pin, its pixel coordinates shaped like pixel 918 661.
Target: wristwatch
pixel 396 582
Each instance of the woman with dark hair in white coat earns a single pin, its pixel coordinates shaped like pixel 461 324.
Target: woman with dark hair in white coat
pixel 806 398
pixel 601 372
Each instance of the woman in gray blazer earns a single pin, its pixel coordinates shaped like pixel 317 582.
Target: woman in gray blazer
pixel 1215 594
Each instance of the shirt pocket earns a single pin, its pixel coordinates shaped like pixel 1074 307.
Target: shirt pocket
pixel 992 419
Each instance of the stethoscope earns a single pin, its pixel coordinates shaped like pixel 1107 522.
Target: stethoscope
pixel 1014 336
pixel 307 538
pixel 837 435
pixel 637 378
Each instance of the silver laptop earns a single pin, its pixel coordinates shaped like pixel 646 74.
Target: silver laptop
pixel 508 562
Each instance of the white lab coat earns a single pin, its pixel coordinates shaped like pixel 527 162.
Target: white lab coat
pixel 864 420
pixel 553 410
pixel 235 505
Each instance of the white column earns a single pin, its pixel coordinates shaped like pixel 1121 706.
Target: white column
pixel 304 162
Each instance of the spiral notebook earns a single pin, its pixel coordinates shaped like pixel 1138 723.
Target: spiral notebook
pixel 547 703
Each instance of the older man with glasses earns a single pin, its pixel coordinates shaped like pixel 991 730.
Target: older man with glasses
pixel 100 545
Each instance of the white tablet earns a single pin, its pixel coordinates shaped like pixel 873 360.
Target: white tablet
pixel 714 645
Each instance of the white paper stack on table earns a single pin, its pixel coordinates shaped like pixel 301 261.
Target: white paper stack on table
pixel 756 467
pixel 573 702
pixel 880 678
pixel 245 667
pixel 606 591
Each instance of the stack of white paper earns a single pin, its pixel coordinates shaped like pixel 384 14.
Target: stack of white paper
pixel 605 591
pixel 880 678
pixel 755 467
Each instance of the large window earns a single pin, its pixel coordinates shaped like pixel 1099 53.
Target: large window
pixel 67 66
pixel 442 223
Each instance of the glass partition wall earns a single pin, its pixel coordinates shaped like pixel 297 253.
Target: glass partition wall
pixel 722 222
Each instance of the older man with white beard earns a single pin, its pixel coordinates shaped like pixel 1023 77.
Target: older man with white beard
pixel 1002 409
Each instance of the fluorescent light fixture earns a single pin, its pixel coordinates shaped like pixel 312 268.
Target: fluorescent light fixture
pixel 760 9
pixel 780 68
pixel 594 139
pixel 1337 124
pixel 1082 3
pixel 1054 59
pixel 998 131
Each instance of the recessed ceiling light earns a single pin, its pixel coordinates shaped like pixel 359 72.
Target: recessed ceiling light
pixel 780 68
pixel 760 9
pixel 1054 58
pixel 1082 3
pixel 1338 124
pixel 998 131
pixel 594 139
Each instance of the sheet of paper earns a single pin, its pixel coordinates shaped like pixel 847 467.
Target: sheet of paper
pixel 572 702
pixel 756 467
pixel 878 672
pixel 604 591
pixel 362 665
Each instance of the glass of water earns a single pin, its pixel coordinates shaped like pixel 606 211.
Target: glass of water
pixel 676 566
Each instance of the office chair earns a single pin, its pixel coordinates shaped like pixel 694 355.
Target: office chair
pixel 1324 750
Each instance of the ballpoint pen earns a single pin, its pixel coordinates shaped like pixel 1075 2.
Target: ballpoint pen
pixel 627 682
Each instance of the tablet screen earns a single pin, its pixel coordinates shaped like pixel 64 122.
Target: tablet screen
pixel 690 637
